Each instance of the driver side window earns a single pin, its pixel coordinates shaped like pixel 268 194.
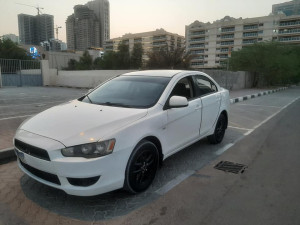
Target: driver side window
pixel 183 88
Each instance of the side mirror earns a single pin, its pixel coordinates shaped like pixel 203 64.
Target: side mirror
pixel 178 102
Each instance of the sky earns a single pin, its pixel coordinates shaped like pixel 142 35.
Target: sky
pixel 134 16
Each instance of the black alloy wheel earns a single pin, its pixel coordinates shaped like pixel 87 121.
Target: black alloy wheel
pixel 219 133
pixel 141 167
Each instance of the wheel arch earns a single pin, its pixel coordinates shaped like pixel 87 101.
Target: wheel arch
pixel 224 112
pixel 157 143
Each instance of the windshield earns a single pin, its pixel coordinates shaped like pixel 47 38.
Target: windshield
pixel 129 91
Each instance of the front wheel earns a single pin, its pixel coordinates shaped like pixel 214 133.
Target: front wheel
pixel 141 168
pixel 219 132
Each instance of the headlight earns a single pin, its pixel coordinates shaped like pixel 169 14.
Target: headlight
pixel 91 150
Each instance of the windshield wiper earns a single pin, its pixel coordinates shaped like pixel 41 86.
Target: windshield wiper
pixel 114 104
pixel 89 99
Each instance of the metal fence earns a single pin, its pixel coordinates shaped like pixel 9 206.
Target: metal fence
pixel 16 72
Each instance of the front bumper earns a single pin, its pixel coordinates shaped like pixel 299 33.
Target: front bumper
pixel 74 175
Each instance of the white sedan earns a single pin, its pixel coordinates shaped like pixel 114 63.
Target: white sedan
pixel 117 135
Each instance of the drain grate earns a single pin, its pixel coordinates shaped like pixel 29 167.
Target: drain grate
pixel 230 167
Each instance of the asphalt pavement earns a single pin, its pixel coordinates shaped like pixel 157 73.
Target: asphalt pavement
pixel 187 189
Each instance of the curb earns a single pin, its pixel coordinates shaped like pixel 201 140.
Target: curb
pixel 246 97
pixel 8 155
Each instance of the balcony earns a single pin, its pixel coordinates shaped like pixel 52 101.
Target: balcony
pixel 249 41
pixel 229 36
pixel 289 23
pixel 196 33
pixel 290 31
pixel 198 39
pixel 223 56
pixel 162 37
pixel 227 29
pixel 250 27
pixel 197 46
pixel 289 39
pixel 224 49
pixel 197 52
pixel 227 43
pixel 251 34
pixel 197 63
pixel 158 43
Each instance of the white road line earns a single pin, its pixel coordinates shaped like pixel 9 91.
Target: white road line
pixel 223 149
pixel 32 103
pixel 9 99
pixel 270 117
pixel 239 128
pixel 177 180
pixel 261 105
pixel 15 117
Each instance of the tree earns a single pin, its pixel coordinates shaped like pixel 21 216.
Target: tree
pixel 271 63
pixel 136 59
pixel 108 61
pixel 166 59
pixel 123 56
pixel 85 62
pixel 10 50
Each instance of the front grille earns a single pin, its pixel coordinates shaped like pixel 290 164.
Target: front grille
pixel 32 150
pixel 41 174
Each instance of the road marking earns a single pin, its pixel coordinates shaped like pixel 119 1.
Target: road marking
pixel 9 99
pixel 239 128
pixel 43 103
pixel 15 117
pixel 177 180
pixel 270 117
pixel 262 105
pixel 224 149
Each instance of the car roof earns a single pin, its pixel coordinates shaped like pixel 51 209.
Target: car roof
pixel 154 73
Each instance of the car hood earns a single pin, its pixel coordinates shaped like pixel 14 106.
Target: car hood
pixel 76 122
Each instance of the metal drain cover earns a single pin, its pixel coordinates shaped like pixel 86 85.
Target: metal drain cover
pixel 230 167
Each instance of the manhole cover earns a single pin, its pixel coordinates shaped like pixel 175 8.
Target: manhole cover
pixel 230 167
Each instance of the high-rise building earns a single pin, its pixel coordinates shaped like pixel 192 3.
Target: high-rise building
pixel 151 41
pixel 101 10
pixel 89 26
pixel 35 29
pixel 212 43
pixel 26 29
pixel 288 8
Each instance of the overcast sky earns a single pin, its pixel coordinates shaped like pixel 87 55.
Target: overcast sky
pixel 133 16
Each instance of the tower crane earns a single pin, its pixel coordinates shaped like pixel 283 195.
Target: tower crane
pixel 37 7
pixel 56 30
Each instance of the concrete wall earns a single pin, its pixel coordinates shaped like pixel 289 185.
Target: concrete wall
pixel 82 78
pixel 231 80
pixel 91 78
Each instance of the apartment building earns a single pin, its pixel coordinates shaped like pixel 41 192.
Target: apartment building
pixel 212 43
pixel 151 41
pixel 89 26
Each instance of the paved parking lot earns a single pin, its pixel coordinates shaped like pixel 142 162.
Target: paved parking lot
pixel 17 104
pixel 22 198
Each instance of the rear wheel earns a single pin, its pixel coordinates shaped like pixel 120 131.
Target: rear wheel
pixel 141 168
pixel 219 132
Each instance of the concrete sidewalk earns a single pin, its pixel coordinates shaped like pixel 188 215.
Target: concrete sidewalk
pixel 9 126
pixel 266 193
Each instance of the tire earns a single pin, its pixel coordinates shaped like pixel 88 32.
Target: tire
pixel 141 167
pixel 219 132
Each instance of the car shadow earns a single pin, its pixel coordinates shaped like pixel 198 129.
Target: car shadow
pixel 120 202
